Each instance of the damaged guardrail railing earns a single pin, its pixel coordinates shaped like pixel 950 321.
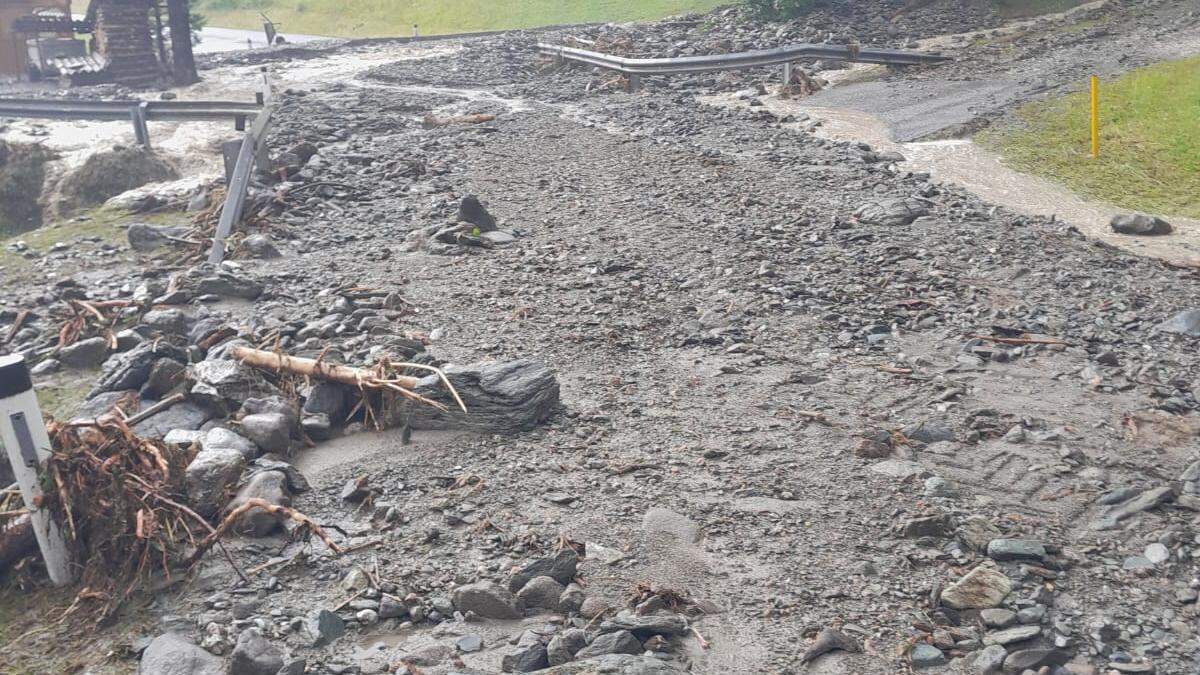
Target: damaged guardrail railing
pixel 251 154
pixel 634 69
pixel 138 112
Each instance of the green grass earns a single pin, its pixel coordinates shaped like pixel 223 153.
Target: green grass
pixel 374 18
pixel 1149 140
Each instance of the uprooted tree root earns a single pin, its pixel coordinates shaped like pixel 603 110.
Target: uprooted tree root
pixel 120 501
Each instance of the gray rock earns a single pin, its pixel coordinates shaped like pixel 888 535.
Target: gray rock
pixel 1032 659
pixel 211 476
pixel 541 593
pixel 981 588
pixel 562 568
pixel 225 384
pixel 940 525
pixel 926 656
pixel 1032 615
pixel 165 376
pixel 89 353
pixel 1143 502
pixel 525 658
pixel 645 626
pixel 619 642
pixel 487 599
pixel 998 618
pixel 254 655
pixel 323 627
pixel 171 654
pixel 1009 636
pixel 892 212
pixel 928 433
pixel 203 280
pixel 261 246
pixel 294 667
pixel 1137 562
pixel 270 486
pixel 131 369
pixel 564 646
pixel 220 437
pixel 471 210
pixel 1005 550
pixel 977 533
pixel 499 237
pixel 184 415
pixel 328 398
pixel 297 483
pixel 937 487
pixel 166 321
pixel 1184 323
pixel 391 608
pixel 1140 224
pixel 1157 554
pixel 571 600
pixel 503 398
pixel 991 660
pixel 270 431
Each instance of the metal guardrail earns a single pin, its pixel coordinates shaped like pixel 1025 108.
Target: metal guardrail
pixel 251 154
pixel 636 68
pixel 139 112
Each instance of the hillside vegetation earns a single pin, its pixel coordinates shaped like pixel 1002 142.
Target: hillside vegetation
pixel 1149 148
pixel 371 18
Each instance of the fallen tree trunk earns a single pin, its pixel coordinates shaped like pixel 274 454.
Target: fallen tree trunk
pixel 16 540
pixel 377 377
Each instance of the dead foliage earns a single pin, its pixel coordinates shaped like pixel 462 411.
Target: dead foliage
pixel 85 319
pixel 669 598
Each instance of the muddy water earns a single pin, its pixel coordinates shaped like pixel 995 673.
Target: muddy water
pixel 983 172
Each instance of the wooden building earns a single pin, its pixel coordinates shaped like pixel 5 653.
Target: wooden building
pixel 26 23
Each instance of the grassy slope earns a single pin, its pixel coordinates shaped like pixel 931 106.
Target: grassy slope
pixel 395 17
pixel 1149 140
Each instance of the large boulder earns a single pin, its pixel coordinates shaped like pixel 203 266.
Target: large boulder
pixel 270 431
pixel 225 384
pixel 145 238
pixel 619 642
pixel 560 567
pixel 502 398
pixel 171 654
pixel 107 174
pixel 220 437
pixel 210 477
pixel 89 353
pixel 183 415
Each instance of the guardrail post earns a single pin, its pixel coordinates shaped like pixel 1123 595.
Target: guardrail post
pixel 140 131
pixel 24 437
pixel 787 73
pixel 635 83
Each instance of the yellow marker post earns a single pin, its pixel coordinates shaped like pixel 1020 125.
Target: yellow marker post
pixel 1095 117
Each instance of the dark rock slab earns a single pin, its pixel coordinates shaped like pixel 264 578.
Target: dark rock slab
pixel 501 398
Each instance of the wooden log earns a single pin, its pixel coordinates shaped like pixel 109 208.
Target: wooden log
pixel 282 363
pixel 16 540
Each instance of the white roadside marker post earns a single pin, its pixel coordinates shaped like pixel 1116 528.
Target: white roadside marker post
pixel 24 439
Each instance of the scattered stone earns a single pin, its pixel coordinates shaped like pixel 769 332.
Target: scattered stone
pixel 828 640
pixel 210 477
pixel 1157 554
pixel 254 655
pixel 1005 550
pixel 564 646
pixel 89 353
pixel 937 487
pixel 619 642
pixel 998 618
pixel 892 212
pixel 1184 323
pixel 572 599
pixel 1012 635
pixel 525 658
pixel 541 593
pixel 644 626
pixel 616 664
pixel 1140 224
pixel 323 627
pixel 940 525
pixel 487 599
pixel 355 490
pixel 270 431
pixel 981 588
pixel 901 469
pixel 503 398
pixel 171 654
pixel 270 486
pixel 561 568
pixel 926 656
pixel 977 533
pixel 471 210
pixel 990 660
pixel 1031 659
pixel 220 437
pixel 145 238
pixel 1143 502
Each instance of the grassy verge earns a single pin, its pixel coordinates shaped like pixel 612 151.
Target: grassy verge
pixel 1149 140
pixel 371 18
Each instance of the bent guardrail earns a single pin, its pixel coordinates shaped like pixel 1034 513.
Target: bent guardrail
pixel 138 112
pixel 634 69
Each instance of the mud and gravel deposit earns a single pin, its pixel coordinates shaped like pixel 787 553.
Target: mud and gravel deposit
pixel 763 340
